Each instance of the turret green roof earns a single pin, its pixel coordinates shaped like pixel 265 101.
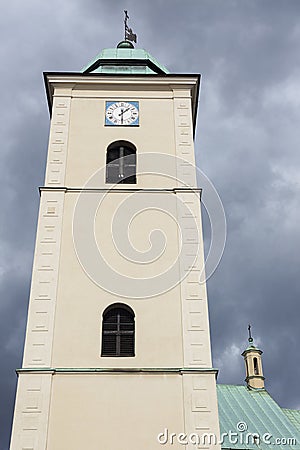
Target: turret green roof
pixel 125 60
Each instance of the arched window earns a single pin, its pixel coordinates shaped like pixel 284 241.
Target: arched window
pixel 121 163
pixel 255 366
pixel 118 331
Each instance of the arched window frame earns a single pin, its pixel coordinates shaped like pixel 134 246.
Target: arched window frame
pixel 255 366
pixel 121 163
pixel 122 328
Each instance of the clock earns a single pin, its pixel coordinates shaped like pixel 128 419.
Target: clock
pixel 122 113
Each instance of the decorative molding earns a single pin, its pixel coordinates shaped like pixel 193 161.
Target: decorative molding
pixel 39 337
pixel 199 389
pixel 186 81
pixel 31 412
pixel 56 370
pixel 200 408
pixel 125 190
pixel 196 339
pixel 186 173
pixel 58 141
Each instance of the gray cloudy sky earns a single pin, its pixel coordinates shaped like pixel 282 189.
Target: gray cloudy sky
pixel 247 143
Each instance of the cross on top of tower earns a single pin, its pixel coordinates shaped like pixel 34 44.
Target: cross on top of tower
pixel 250 338
pixel 128 33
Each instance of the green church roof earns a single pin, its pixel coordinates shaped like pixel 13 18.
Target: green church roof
pixel 125 59
pixel 293 415
pixel 257 412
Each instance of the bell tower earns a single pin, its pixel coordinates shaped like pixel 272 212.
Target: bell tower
pixel 253 363
pixel 117 346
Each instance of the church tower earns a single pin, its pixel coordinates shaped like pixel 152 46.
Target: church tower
pixel 117 351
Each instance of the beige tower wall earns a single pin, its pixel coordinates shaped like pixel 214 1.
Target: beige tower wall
pixel 254 380
pixel 63 339
pixel 113 411
pixel 80 301
pixel 89 138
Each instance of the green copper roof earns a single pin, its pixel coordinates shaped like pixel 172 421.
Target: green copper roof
pixel 293 415
pixel 124 60
pixel 260 413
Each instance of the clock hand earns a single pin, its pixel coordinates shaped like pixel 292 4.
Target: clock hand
pixel 124 111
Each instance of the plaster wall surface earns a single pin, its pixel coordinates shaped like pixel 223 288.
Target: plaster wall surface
pixel 113 411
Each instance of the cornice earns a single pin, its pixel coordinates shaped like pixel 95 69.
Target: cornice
pixel 177 190
pixel 117 370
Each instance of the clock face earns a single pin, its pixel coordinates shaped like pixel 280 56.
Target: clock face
pixel 122 113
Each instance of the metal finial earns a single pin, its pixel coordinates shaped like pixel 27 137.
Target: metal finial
pixel 125 23
pixel 250 338
pixel 128 33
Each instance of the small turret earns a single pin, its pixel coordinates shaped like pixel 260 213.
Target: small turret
pixel 252 357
